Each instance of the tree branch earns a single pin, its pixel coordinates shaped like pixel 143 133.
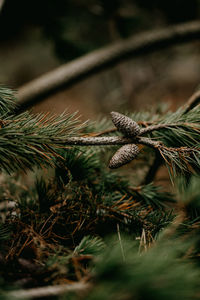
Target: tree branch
pixel 164 126
pixel 153 169
pixel 1 4
pixel 192 102
pixel 49 291
pixel 110 140
pixel 146 130
pixel 72 72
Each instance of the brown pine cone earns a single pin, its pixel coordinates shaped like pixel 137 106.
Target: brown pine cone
pixel 125 124
pixel 124 155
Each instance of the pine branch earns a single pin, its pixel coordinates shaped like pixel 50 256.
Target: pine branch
pixel 160 272
pixel 30 140
pixel 180 146
pixel 8 102
pixel 89 246
pixel 111 140
pixel 152 195
pixel 34 140
pixel 91 63
pixel 176 138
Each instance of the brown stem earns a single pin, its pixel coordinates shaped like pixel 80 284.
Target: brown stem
pixel 192 102
pixel 1 4
pixel 49 291
pixel 148 129
pixel 154 168
pixel 110 140
pixel 72 72
pixel 155 127
pixel 160 126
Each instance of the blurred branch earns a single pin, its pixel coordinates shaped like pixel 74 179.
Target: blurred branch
pixel 49 291
pixel 192 102
pixel 73 72
pixel 153 169
pixel 1 4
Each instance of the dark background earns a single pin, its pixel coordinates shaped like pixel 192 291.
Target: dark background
pixel 37 36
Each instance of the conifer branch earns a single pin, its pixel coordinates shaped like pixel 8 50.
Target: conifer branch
pixel 34 140
pixel 157 127
pixel 29 140
pixel 91 63
pixel 7 102
pixel 111 140
pixel 148 129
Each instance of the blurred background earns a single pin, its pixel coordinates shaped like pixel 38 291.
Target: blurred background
pixel 38 36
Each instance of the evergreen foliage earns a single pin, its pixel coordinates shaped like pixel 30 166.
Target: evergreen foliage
pixel 159 273
pixel 28 140
pixel 65 217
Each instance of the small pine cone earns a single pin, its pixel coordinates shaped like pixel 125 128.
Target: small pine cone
pixel 125 124
pixel 124 155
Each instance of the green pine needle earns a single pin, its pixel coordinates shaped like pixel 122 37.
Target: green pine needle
pixel 7 102
pixel 34 140
pixel 90 246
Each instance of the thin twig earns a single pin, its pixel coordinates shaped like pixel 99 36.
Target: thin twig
pixel 192 102
pixel 156 127
pixel 48 291
pixel 120 242
pixel 73 72
pixel 165 126
pixel 148 129
pixel 145 130
pixel 104 132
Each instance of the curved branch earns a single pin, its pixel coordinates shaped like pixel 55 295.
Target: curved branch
pixel 1 4
pixel 192 102
pixel 91 63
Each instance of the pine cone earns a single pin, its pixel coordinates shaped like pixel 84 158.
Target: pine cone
pixel 125 124
pixel 124 155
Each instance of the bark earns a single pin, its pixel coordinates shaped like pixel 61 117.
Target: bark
pixel 71 73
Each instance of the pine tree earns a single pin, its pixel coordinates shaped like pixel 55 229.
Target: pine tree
pixel 80 215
